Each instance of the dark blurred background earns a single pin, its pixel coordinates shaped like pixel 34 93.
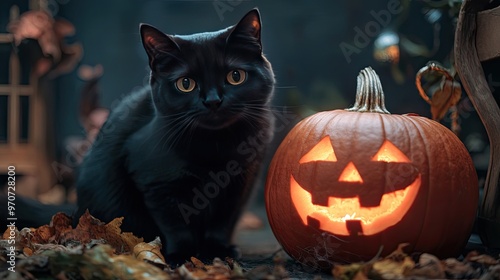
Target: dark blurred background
pixel 316 48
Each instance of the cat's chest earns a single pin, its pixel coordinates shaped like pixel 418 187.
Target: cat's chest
pixel 152 161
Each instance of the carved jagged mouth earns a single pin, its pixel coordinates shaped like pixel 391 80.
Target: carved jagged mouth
pixel 379 178
pixel 346 216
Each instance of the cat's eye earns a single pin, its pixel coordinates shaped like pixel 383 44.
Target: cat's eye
pixel 236 77
pixel 185 84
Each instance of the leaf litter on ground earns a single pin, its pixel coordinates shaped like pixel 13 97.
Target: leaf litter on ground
pixel 96 250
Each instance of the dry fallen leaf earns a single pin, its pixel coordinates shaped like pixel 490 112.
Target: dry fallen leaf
pixel 189 271
pixel 482 259
pixel 27 251
pixel 42 235
pixel 79 253
pixel 197 263
pixel 60 231
pixel 492 274
pixel 445 97
pixel 398 265
pixel 351 271
pixel 197 270
pixel 428 266
pixel 444 91
pixel 456 269
pixel 394 266
pixel 149 252
pixel 100 263
pixel 6 233
pixel 90 228
pixel 22 238
pixel 28 237
pixel 218 270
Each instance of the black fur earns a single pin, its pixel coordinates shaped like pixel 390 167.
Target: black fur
pixel 161 148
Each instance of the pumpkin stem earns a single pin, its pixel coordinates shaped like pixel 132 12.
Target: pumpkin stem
pixel 369 93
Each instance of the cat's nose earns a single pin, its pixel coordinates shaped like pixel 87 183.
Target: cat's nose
pixel 212 102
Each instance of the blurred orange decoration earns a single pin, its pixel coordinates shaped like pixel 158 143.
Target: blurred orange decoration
pixel 59 57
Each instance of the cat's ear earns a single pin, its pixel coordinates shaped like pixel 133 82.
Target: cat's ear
pixel 156 43
pixel 247 30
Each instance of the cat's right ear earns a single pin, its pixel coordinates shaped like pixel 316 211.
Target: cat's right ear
pixel 247 32
pixel 156 43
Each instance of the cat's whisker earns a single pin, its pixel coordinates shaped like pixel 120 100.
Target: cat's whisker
pixel 259 109
pixel 253 119
pixel 177 134
pixel 192 127
pixel 257 112
pixel 184 126
pixel 172 134
pixel 278 110
pixel 172 125
pixel 165 134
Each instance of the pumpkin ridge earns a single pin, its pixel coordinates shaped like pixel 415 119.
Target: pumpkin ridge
pixel 416 125
pixel 450 152
pixel 312 121
pixel 449 220
pixel 384 136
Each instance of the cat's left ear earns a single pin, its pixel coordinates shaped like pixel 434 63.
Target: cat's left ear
pixel 156 43
pixel 247 30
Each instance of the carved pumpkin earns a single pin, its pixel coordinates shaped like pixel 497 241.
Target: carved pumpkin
pixel 345 183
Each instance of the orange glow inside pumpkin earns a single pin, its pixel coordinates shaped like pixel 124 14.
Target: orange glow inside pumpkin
pixel 393 206
pixel 322 151
pixel 390 153
pixel 350 174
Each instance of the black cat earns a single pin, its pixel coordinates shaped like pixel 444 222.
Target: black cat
pixel 174 159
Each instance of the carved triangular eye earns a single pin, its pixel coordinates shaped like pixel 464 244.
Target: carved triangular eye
pixel 388 152
pixel 323 151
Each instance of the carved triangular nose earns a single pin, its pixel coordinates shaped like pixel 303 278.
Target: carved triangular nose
pixel 212 101
pixel 350 174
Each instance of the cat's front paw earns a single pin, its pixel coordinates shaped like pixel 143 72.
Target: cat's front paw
pixel 217 250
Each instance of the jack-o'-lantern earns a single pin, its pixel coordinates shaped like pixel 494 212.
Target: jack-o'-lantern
pixel 354 204
pixel 344 184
